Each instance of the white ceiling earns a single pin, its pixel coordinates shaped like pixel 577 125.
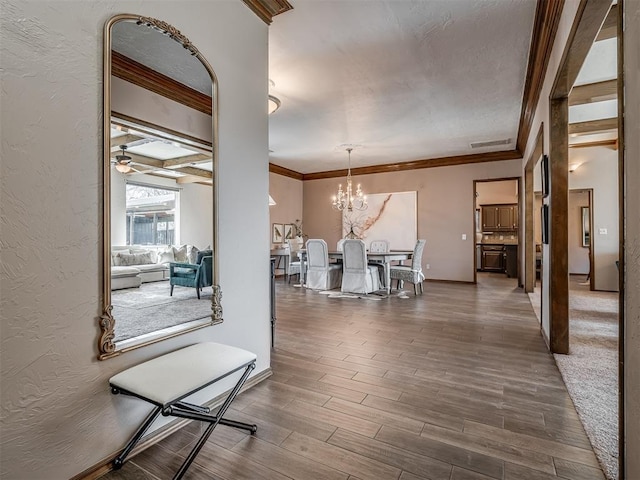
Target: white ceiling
pixel 401 80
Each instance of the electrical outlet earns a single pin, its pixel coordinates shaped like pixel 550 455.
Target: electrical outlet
pixel 428 266
pixel 464 236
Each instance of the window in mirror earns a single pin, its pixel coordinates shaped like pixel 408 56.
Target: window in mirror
pixel 151 215
pixel 160 157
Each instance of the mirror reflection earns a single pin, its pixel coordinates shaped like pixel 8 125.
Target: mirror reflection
pixel 160 277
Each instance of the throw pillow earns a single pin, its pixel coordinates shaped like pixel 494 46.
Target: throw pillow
pixel 180 254
pixel 192 253
pixel 154 254
pixel 115 259
pixel 131 259
pixel 166 256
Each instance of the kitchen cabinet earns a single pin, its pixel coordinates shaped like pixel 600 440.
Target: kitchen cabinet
pixel 499 218
pixel 493 258
pixel 511 260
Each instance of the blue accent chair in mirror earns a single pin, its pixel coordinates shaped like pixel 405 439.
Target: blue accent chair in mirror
pixel 195 275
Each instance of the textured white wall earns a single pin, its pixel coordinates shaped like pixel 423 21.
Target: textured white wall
pixel 196 215
pixel 287 192
pixel 578 255
pixel 142 104
pixel 488 193
pixel 599 170
pixel 446 210
pixel 58 417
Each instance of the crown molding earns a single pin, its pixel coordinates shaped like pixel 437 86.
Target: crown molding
pixel 138 74
pixel 547 18
pixel 419 164
pixel 273 168
pixel 267 9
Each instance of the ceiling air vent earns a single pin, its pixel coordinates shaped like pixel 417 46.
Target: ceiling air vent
pixel 492 143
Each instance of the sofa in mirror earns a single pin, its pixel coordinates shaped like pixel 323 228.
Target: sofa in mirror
pixel 160 155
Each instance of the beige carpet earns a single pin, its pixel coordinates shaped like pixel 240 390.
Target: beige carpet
pixel 590 371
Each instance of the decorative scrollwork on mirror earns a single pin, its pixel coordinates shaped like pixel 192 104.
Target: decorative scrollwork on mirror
pixel 160 164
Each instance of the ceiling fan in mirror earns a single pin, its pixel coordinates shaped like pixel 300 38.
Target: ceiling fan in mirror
pixel 123 162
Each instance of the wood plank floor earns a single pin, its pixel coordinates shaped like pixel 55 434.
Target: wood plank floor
pixel 455 384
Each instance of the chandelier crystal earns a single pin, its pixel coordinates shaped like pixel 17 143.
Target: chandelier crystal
pixel 346 199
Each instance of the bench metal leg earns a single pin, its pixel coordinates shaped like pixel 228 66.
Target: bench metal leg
pixel 193 408
pixel 214 422
pixel 119 460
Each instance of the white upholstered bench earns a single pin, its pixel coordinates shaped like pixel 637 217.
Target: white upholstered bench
pixel 166 380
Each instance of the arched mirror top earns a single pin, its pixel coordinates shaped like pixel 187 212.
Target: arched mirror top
pixel 160 162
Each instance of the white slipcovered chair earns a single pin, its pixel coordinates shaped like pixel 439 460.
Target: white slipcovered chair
pixel 339 245
pixel 357 275
pixel 379 246
pixel 293 264
pixel 413 273
pixel 321 275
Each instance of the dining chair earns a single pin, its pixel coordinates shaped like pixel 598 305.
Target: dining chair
pixel 357 275
pixel 321 275
pixel 410 273
pixel 379 246
pixel 293 266
pixel 339 244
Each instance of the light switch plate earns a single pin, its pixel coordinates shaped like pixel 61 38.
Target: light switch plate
pixel 464 236
pixel 603 231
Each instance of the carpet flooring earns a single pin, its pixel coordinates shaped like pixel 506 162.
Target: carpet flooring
pixel 150 308
pixel 590 371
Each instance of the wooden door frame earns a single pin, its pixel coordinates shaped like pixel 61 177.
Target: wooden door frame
pixel 529 202
pixel 520 199
pixel 589 192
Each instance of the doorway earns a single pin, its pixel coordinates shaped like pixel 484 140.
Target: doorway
pixel 497 242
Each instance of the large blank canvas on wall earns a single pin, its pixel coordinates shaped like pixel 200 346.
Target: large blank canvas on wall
pixel 390 216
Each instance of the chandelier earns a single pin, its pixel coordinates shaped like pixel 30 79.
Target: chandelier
pixel 345 199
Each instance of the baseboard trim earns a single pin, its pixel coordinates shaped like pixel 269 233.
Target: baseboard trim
pixel 466 282
pixel 105 466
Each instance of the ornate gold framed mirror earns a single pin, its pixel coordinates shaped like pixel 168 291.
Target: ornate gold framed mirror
pixel 160 247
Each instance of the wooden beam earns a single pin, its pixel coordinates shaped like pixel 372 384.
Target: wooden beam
pixel 188 160
pixel 587 23
pixel 123 140
pixel 594 92
pixel 156 164
pixel 189 179
pixel 593 126
pixel 558 229
pixel 267 9
pixel 613 143
pixel 418 164
pixel 131 71
pixel 547 18
pixel 610 26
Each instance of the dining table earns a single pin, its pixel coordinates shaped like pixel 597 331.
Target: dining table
pixel 383 258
